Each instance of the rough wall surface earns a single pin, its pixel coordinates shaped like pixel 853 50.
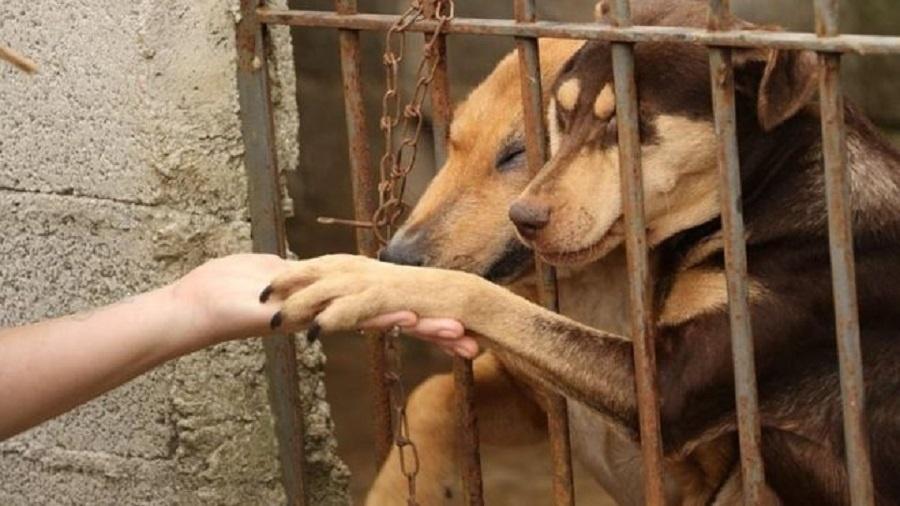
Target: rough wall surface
pixel 120 169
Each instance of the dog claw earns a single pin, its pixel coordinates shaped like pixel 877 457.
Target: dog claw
pixel 276 321
pixel 264 296
pixel 313 333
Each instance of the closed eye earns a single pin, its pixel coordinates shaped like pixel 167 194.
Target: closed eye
pixel 511 156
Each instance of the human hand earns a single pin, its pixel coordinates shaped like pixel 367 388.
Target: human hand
pixel 363 293
pixel 448 334
pixel 218 300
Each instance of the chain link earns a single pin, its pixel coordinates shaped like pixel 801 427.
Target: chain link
pixel 406 449
pixel 395 165
pixel 398 161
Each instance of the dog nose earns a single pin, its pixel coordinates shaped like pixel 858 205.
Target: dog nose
pixel 529 217
pixel 402 250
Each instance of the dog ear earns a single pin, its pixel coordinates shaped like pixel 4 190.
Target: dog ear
pixel 782 81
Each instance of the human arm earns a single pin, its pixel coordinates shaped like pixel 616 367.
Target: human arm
pixel 50 367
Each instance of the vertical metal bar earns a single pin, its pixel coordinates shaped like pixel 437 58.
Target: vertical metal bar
pixel 365 201
pixel 722 80
pixel 264 188
pixel 467 429
pixel 463 376
pixel 638 269
pixel 840 236
pixel 536 153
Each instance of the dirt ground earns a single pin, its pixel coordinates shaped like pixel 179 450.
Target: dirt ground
pixel 512 476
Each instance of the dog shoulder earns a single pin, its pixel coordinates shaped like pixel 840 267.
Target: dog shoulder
pixel 701 291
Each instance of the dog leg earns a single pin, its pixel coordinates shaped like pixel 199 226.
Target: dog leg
pixel 507 415
pixel 338 292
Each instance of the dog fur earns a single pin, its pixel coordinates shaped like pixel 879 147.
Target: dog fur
pixel 570 214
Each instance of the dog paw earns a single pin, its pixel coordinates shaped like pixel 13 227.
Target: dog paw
pixel 333 292
pixel 339 292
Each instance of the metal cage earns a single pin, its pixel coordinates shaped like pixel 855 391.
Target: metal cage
pixel 268 233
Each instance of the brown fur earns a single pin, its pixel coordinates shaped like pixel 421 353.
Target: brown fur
pixel 787 248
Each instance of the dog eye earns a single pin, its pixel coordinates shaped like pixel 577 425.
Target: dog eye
pixel 511 156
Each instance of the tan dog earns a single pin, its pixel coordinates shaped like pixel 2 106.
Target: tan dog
pixel 570 213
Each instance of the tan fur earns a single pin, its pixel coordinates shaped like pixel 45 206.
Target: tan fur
pixel 507 415
pixel 605 103
pixel 552 127
pixel 680 191
pixel 464 211
pixel 567 94
pixel 697 292
pixel 702 251
pixel 466 232
pixel 341 291
pixel 707 468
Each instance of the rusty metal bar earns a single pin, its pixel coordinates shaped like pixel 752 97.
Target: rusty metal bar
pixel 264 188
pixel 722 79
pixel 840 236
pixel 365 201
pixel 536 153
pixel 463 376
pixel 467 430
pixel 860 44
pixel 640 290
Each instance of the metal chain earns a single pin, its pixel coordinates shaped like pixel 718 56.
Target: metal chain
pixel 397 162
pixel 406 448
pixel 395 165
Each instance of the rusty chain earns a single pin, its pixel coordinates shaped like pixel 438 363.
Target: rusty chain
pixel 397 162
pixel 406 449
pixel 395 165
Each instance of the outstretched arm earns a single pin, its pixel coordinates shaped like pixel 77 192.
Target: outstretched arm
pixel 50 367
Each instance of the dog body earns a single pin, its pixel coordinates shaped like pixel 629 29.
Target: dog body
pixel 570 213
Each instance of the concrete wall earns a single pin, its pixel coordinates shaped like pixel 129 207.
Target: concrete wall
pixel 120 169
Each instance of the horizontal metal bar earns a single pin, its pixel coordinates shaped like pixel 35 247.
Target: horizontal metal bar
pixel 860 44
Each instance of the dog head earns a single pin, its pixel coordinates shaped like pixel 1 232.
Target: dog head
pixel 461 220
pixel 572 212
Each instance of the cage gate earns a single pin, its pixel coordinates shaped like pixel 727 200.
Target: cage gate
pixel 268 234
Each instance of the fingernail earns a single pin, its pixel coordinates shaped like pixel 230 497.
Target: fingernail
pixel 406 322
pixel 264 296
pixel 276 321
pixel 447 334
pixel 313 333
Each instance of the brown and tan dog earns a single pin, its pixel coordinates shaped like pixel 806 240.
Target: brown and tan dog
pixel 570 213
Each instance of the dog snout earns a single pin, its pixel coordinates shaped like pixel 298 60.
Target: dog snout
pixel 402 250
pixel 529 217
